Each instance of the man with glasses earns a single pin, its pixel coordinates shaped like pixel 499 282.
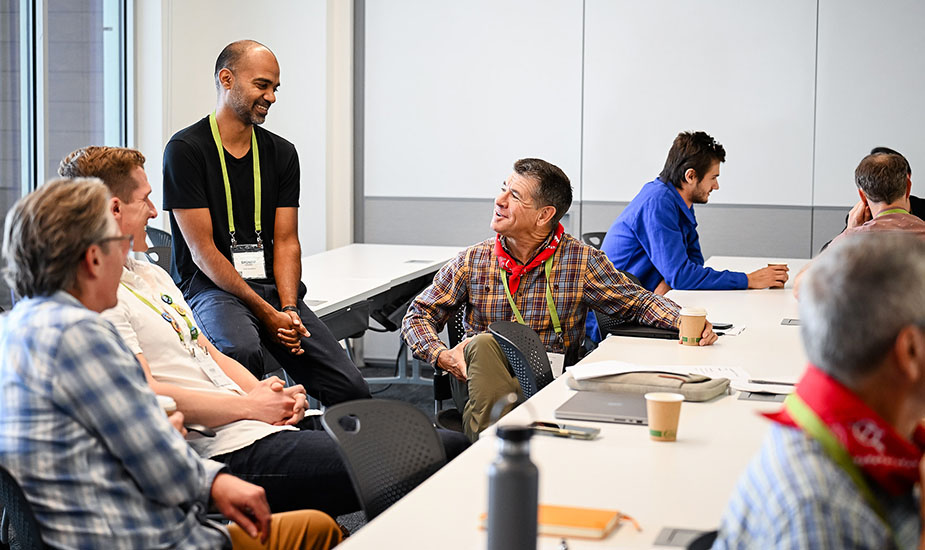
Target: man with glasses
pixel 232 189
pixel 80 430
pixel 842 459
pixel 531 271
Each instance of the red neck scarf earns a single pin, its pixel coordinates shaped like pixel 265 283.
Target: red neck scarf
pixel 886 457
pixel 509 264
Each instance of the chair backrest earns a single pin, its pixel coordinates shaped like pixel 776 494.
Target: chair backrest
pixel 455 329
pixel 594 239
pixel 390 447
pixel 526 354
pixel 158 237
pixel 456 333
pixel 18 527
pixel 159 252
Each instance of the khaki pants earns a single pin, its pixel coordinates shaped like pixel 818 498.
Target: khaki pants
pixel 489 379
pixel 297 530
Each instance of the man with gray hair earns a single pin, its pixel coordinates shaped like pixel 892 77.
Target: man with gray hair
pixel 843 456
pixel 79 428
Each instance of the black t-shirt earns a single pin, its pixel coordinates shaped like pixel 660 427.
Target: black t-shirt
pixel 193 179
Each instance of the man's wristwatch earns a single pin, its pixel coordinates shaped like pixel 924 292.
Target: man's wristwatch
pixel 290 308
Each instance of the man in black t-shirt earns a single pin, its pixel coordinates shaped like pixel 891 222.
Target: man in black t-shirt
pixel 237 260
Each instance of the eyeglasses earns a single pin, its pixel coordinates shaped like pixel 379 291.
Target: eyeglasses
pixel 129 238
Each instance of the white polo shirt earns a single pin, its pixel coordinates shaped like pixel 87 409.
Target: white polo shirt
pixel 146 331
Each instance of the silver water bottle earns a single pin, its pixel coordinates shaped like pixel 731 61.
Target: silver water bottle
pixel 513 492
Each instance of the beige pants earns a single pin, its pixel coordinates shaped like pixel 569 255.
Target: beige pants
pixel 489 379
pixel 297 530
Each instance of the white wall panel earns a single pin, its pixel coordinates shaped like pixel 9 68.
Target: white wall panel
pixel 741 71
pixel 457 91
pixel 870 90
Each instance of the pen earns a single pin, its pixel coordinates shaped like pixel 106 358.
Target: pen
pixel 756 381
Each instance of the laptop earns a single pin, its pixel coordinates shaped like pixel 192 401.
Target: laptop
pixel 622 408
pixel 643 331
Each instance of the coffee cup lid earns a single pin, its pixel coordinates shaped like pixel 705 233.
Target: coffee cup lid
pixel 694 311
pixel 666 397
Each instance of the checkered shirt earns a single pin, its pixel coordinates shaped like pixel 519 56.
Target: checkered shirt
pixel 582 278
pixel 83 434
pixel 792 495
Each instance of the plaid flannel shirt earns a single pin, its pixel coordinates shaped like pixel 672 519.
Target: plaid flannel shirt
pixel 792 495
pixel 581 278
pixel 83 434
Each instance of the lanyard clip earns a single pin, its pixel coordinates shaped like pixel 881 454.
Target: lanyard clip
pixel 234 241
pixel 259 239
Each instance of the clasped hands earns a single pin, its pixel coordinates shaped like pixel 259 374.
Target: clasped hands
pixel 287 329
pixel 273 403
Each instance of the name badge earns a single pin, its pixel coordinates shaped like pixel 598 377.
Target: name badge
pixel 216 374
pixel 556 363
pixel 248 261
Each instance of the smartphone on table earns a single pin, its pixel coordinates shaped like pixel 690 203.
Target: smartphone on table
pixel 556 429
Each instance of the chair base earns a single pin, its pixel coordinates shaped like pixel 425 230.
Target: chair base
pixel 450 419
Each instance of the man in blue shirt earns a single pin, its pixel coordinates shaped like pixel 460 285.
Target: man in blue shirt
pixel 655 237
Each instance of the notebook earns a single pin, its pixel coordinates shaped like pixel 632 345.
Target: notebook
pixel 568 521
pixel 622 408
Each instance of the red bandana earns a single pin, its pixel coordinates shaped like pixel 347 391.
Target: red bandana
pixel 886 457
pixel 516 270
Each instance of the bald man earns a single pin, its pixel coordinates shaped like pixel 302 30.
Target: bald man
pixel 232 190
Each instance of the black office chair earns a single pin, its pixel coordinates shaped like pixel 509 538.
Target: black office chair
pixel 526 354
pixel 159 251
pixel 703 542
pixel 595 239
pixel 449 419
pixel 18 527
pixel 389 447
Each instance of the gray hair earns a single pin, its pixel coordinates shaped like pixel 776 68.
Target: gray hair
pixel 49 230
pixel 856 298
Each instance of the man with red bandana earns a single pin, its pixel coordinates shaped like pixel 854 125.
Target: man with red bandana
pixel 531 272
pixel 232 189
pixel 843 456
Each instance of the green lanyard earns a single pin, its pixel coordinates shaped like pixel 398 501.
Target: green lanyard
pixel 550 305
pixel 814 427
pixel 221 157
pixel 193 331
pixel 892 211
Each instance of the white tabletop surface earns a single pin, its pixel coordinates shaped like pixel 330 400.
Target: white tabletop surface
pixel 684 484
pixel 343 276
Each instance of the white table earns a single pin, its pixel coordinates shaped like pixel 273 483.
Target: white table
pixel 340 281
pixel 344 276
pixel 685 484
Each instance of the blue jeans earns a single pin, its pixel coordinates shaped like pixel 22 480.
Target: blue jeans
pixel 324 369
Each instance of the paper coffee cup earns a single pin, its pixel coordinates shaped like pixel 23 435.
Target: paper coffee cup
pixel 168 405
pixel 664 411
pixel 693 319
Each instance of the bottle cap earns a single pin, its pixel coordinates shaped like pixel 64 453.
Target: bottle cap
pixel 515 433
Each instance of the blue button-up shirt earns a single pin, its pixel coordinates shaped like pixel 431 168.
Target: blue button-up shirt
pixel 655 238
pixel 83 434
